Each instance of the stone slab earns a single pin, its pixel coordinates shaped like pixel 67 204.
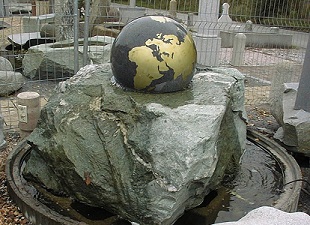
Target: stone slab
pixel 18 8
pixel 26 40
pixel 295 130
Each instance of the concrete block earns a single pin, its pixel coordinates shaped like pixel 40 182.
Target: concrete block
pixel 28 105
pixel 208 49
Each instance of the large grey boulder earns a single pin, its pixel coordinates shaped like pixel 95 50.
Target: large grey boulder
pixel 146 157
pixel 57 59
pixel 10 81
pixel 5 64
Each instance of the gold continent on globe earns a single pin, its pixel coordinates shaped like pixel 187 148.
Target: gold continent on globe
pixel 154 54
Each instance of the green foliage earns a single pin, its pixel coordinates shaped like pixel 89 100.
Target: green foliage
pixel 292 14
pixel 283 13
pixel 279 8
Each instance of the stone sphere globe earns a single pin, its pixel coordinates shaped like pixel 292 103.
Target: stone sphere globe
pixel 154 54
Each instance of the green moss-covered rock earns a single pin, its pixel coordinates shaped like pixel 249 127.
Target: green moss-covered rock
pixel 146 157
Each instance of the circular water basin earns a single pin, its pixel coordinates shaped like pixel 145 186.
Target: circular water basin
pixel 264 179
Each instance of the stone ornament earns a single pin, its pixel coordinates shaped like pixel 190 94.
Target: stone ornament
pixel 10 81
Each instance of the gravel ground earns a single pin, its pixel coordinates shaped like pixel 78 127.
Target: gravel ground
pixel 9 212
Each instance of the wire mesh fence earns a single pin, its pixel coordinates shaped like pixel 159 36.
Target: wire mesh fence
pixel 45 42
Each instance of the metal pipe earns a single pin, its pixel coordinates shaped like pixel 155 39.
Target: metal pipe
pixel 76 35
pixel 86 32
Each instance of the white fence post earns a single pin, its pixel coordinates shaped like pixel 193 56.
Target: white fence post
pixel 173 8
pixel 238 49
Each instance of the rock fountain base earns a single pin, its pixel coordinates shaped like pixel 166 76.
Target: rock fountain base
pixel 146 157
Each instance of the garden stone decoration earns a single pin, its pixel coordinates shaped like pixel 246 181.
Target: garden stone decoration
pixel 161 59
pixel 10 81
pixel 292 111
pixel 146 157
